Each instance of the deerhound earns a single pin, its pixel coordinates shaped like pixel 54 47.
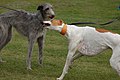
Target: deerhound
pixel 87 41
pixel 27 24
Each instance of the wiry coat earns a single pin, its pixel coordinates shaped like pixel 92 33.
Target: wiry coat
pixel 27 24
pixel 23 22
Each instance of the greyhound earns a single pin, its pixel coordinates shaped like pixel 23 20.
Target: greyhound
pixel 27 24
pixel 87 41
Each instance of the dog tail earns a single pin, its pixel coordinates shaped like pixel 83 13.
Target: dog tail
pixel 9 8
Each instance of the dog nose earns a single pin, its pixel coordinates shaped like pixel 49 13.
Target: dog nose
pixel 52 16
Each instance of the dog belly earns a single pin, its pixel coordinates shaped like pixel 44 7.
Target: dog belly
pixel 91 49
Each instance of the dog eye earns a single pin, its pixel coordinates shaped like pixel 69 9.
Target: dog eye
pixel 47 9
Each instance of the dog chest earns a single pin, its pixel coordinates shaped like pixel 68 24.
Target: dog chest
pixel 40 33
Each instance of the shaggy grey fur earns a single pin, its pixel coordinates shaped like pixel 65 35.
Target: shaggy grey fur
pixel 27 24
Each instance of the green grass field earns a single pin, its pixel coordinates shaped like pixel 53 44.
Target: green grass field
pixel 55 51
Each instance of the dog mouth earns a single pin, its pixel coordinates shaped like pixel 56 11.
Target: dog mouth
pixel 52 16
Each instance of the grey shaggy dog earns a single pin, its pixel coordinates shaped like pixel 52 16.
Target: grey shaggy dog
pixel 27 24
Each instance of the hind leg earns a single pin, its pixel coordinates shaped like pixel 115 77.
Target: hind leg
pixel 115 63
pixel 6 39
pixel 115 59
pixel 76 56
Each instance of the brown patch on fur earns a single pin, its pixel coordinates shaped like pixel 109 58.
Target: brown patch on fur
pixel 64 30
pixel 56 22
pixel 103 31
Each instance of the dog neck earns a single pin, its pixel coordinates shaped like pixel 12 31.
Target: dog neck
pixel 64 29
pixel 39 16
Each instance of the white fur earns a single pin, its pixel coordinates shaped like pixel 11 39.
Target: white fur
pixel 88 41
pixel 47 22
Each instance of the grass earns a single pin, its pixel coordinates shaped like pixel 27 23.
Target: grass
pixel 55 51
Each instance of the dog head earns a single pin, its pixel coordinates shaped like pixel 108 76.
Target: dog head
pixel 46 10
pixel 57 25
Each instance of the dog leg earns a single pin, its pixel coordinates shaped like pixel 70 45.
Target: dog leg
pixel 40 41
pixel 30 48
pixel 67 64
pixel 115 64
pixel 6 39
pixel 1 61
pixel 76 56
pixel 72 49
pixel 115 59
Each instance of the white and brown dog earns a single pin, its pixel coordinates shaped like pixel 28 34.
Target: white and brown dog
pixel 87 41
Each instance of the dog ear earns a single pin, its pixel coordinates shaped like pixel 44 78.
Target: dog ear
pixel 60 22
pixel 40 7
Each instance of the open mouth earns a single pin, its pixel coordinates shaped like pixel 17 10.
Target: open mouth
pixel 51 17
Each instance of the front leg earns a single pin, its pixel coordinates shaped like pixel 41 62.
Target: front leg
pixel 31 41
pixel 40 41
pixel 67 64
pixel 71 53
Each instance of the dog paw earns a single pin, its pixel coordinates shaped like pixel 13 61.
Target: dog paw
pixel 40 64
pixel 29 68
pixel 59 79
pixel 2 61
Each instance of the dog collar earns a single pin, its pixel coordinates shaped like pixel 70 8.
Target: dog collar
pixel 64 30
